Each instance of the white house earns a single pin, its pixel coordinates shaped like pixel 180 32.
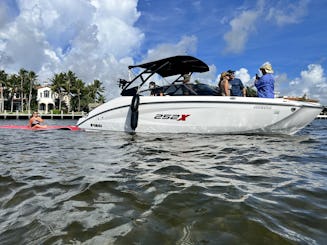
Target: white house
pixel 45 99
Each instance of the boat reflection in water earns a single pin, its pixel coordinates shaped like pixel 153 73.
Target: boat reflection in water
pixel 194 108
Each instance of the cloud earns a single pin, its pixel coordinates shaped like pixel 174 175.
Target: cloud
pixel 95 39
pixel 186 46
pixel 241 27
pixel 3 14
pixel 114 20
pixel 209 77
pixel 244 75
pixel 282 84
pixel 284 13
pixel 244 24
pixel 312 82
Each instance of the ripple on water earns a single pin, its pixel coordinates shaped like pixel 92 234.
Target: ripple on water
pixel 116 188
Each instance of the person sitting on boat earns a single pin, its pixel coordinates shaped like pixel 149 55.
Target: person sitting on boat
pixel 237 87
pixel 155 91
pixel 35 121
pixel 224 85
pixel 265 83
pixel 186 78
pixel 152 87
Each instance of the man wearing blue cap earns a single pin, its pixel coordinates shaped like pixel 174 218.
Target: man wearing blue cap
pixel 237 87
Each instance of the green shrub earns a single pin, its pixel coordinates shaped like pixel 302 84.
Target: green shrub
pixel 56 111
pixel 250 92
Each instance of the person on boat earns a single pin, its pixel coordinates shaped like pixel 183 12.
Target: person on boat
pixel 237 87
pixel 265 83
pixel 152 87
pixel 155 90
pixel 35 121
pixel 224 85
pixel 186 78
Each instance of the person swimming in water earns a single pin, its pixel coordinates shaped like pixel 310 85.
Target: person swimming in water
pixel 35 121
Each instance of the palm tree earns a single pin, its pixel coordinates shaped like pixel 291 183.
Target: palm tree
pixel 79 87
pixel 96 91
pixel 31 78
pixel 57 85
pixel 13 84
pixel 70 80
pixel 23 79
pixel 3 85
pixel 101 99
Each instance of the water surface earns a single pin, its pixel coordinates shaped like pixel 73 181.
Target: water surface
pixel 62 187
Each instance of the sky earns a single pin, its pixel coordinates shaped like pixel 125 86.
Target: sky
pixel 99 39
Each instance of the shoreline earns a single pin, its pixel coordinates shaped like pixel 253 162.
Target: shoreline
pixel 18 116
pixel 321 117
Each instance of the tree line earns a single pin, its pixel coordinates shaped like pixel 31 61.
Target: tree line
pixel 18 92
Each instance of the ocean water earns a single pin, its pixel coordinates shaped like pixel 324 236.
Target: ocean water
pixel 63 187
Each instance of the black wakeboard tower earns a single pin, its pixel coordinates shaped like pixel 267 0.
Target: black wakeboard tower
pixel 175 65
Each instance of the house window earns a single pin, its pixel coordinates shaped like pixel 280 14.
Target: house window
pixel 46 94
pixel 42 107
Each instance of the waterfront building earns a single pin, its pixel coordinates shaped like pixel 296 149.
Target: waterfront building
pixel 45 99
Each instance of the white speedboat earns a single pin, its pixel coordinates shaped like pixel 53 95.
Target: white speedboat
pixel 194 108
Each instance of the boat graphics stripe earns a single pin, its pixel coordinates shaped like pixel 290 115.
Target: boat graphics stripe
pixel 196 101
pixel 102 112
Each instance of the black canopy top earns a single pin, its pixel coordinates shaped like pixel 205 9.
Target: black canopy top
pixel 182 64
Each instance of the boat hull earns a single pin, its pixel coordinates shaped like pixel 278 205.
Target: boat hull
pixel 202 114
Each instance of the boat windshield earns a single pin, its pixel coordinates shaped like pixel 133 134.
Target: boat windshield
pixel 182 90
